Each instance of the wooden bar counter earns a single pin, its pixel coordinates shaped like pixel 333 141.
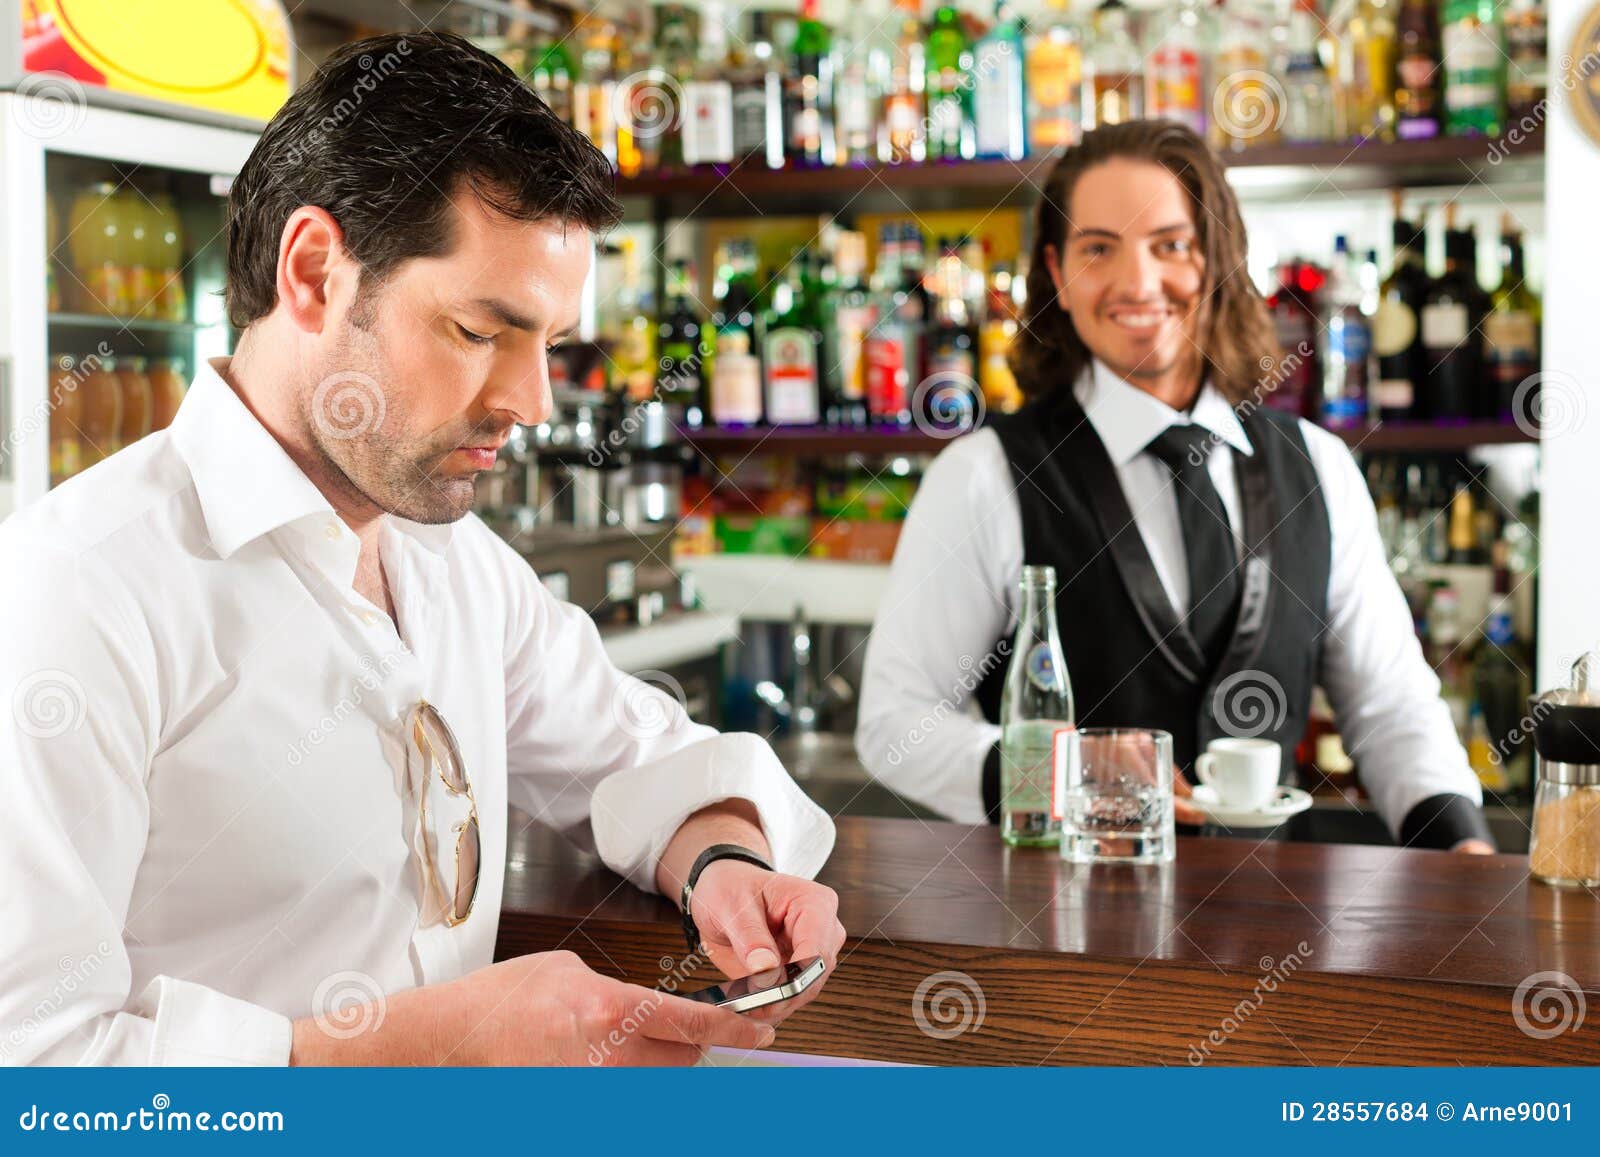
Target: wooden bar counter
pixel 1242 952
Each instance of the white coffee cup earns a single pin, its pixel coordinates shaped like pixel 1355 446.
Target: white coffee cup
pixel 1243 772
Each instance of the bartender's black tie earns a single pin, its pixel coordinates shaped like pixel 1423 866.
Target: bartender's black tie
pixel 1208 544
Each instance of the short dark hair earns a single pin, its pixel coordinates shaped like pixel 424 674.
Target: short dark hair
pixel 385 133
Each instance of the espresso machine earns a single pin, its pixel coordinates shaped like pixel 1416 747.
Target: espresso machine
pixel 591 497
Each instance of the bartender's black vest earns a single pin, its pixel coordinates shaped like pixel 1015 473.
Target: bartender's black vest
pixel 1131 660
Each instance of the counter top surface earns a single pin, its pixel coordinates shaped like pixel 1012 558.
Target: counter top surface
pixel 1347 929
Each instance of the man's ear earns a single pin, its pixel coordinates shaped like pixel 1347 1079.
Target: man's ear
pixel 313 268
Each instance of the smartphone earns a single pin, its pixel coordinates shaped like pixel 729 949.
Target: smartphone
pixel 762 988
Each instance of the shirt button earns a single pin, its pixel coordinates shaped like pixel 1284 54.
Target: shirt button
pixel 332 530
pixel 368 617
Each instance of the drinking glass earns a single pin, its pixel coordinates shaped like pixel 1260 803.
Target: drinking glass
pixel 1114 793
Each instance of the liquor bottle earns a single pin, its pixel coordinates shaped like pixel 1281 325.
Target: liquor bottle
pixel 1347 348
pixel 681 340
pixel 673 68
pixel 1308 113
pixel 1473 59
pixel 1528 65
pixel 1113 70
pixel 849 316
pixel 1365 39
pixel 999 102
pixel 1463 537
pixel 633 332
pixel 757 78
pixel 891 344
pixel 736 371
pixel 1035 704
pixel 996 382
pixel 859 81
pixel 708 98
pixel 1445 655
pixel 552 77
pixel 901 132
pixel 808 90
pixel 594 93
pixel 1294 322
pixel 947 58
pixel 791 351
pixel 947 397
pixel 1417 103
pixel 1499 684
pixel 1246 103
pixel 1396 331
pixel 1054 80
pixel 1450 316
pixel 1511 330
pixel 1175 69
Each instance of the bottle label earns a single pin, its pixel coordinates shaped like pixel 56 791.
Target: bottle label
pixel 1349 341
pixel 1510 346
pixel 1066 760
pixel 1472 60
pixel 1174 84
pixel 791 377
pixel 1053 82
pixel 852 324
pixel 1444 326
pixel 886 372
pixel 750 120
pixel 1040 666
pixel 736 389
pixel 1394 394
pixel 1394 327
pixel 707 123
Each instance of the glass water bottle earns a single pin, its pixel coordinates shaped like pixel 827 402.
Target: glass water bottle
pixel 1036 704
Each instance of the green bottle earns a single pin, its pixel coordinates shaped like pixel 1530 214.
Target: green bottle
pixel 1474 63
pixel 553 77
pixel 949 88
pixel 808 90
pixel 791 350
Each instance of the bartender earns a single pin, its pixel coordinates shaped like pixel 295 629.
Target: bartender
pixel 1215 558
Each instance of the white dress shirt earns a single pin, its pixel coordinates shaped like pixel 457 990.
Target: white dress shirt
pixel 953 589
pixel 207 824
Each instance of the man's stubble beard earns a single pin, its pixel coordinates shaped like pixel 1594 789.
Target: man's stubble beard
pixel 393 474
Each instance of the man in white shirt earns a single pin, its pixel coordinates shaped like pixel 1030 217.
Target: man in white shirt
pixel 272 687
pixel 1215 559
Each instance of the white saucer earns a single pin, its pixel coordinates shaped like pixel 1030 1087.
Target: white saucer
pixel 1287 802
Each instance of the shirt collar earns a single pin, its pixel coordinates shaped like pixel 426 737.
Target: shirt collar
pixel 246 482
pixel 1127 418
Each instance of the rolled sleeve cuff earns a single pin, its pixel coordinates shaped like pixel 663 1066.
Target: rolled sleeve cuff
pixel 635 812
pixel 196 1025
pixel 1443 821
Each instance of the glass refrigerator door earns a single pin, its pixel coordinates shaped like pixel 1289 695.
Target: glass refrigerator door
pixel 114 236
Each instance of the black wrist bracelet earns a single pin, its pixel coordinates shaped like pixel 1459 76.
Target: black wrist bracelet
pixel 705 859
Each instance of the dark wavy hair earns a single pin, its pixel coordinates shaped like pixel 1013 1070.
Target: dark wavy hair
pixel 1235 329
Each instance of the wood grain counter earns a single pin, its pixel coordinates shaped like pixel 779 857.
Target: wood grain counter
pixel 964 951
